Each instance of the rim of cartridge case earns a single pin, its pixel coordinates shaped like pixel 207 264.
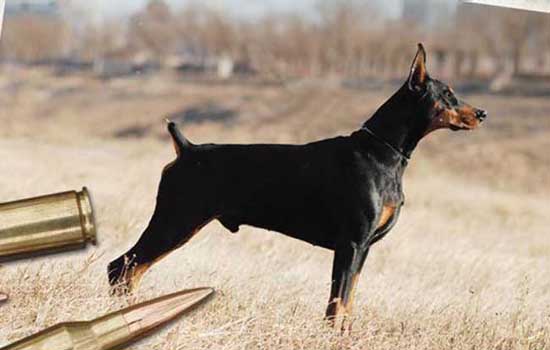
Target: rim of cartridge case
pixel 87 218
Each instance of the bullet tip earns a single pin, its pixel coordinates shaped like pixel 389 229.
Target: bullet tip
pixel 144 317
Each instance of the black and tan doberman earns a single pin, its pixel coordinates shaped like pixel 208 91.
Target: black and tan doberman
pixel 343 193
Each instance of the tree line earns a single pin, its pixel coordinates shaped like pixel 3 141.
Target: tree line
pixel 341 37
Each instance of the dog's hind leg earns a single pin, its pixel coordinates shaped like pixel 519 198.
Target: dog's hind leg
pixel 181 211
pixel 348 262
pixel 161 237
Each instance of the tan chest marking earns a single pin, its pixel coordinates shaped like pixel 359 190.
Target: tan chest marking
pixel 387 213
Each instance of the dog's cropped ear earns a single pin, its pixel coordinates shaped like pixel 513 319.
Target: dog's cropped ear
pixel 418 73
pixel 179 141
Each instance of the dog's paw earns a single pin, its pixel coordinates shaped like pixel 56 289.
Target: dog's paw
pixel 120 290
pixel 338 318
pixel 119 272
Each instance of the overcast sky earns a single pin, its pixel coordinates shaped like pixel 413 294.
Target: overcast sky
pixel 244 8
pixel 240 7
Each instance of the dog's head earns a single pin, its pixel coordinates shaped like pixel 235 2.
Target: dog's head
pixel 444 109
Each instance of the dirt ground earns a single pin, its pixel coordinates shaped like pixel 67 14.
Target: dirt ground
pixel 466 267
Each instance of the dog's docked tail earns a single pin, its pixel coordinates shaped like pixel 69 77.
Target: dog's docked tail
pixel 181 144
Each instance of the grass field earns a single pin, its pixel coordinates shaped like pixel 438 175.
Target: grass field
pixel 466 267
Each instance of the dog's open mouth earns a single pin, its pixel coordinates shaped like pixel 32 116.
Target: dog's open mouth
pixel 458 127
pixel 454 127
pixel 463 126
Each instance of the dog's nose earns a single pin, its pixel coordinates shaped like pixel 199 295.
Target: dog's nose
pixel 481 114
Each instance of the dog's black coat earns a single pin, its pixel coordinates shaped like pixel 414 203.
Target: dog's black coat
pixel 343 193
pixel 316 189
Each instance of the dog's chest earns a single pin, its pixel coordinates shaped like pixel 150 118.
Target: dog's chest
pixel 392 196
pixel 388 211
pixel 390 190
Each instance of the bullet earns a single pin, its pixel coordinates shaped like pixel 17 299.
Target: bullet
pixel 116 329
pixel 45 224
pixel 3 297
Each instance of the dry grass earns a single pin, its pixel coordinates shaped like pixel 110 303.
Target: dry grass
pixel 465 268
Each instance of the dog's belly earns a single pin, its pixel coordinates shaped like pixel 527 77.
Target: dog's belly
pixel 296 226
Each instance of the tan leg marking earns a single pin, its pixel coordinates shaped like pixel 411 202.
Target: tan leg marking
pixel 136 274
pixel 337 312
pixel 387 213
pixel 138 271
pixel 349 305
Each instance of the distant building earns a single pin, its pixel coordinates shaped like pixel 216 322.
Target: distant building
pixel 225 67
pixel 33 7
pixel 429 13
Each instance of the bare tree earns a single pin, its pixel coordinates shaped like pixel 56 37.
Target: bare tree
pixel 345 37
pixel 152 29
pixel 31 38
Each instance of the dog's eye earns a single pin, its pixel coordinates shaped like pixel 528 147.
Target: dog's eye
pixel 450 97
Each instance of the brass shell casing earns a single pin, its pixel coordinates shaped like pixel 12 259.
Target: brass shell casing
pixel 46 224
pixel 102 335
pixel 78 336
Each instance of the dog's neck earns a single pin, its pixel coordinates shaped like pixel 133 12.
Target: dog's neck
pixel 397 121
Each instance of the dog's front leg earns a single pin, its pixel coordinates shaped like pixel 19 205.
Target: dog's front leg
pixel 349 259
